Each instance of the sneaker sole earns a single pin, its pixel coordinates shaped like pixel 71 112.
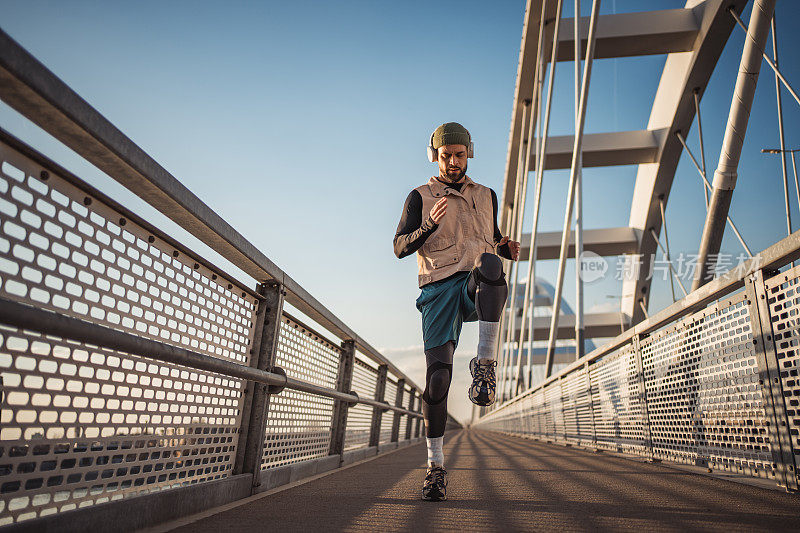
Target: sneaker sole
pixel 482 404
pixel 472 373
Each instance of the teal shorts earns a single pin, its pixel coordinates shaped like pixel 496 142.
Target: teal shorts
pixel 445 305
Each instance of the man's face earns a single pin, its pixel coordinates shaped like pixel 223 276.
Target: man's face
pixel 452 162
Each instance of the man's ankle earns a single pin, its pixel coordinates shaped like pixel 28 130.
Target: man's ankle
pixel 487 338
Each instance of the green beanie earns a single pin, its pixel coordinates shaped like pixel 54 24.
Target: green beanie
pixel 450 133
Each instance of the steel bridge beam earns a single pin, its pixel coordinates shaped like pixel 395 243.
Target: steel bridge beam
pixel 605 242
pixel 634 34
pixel 596 325
pixel 606 149
pixel 563 355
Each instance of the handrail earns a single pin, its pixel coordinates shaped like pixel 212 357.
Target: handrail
pixel 24 316
pixel 779 254
pixel 34 91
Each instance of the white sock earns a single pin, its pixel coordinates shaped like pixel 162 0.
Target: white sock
pixel 487 338
pixel 435 453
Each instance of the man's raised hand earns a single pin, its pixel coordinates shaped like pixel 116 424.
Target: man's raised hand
pixel 438 210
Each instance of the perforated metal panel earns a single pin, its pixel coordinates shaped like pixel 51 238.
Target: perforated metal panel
pixel 784 308
pixel 554 425
pixel 703 395
pixel 577 407
pixel 521 417
pixel 298 423
pixel 82 425
pixel 359 417
pixel 616 396
pixel 697 398
pixel 539 413
pixel 564 410
pixel 407 402
pixel 63 250
pixel 388 416
pixel 527 421
pixel 528 415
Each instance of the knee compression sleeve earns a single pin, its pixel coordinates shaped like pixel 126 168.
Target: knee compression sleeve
pixel 488 269
pixel 437 382
pixel 437 385
pixel 491 289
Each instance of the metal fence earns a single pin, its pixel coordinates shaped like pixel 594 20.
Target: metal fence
pixel 131 365
pixel 710 381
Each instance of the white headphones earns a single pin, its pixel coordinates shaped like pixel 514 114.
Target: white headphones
pixel 433 155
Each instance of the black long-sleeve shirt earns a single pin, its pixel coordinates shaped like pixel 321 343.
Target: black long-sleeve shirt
pixel 413 231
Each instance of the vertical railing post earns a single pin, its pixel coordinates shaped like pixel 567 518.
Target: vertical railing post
pixel 256 402
pixel 591 401
pixel 648 435
pixel 398 402
pixel 377 412
pixel 418 420
pixel 563 410
pixel 344 381
pixel 769 378
pixel 412 399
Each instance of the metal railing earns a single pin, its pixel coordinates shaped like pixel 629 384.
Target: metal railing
pixel 710 381
pixel 130 364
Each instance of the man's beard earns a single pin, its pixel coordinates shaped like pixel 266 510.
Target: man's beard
pixel 449 177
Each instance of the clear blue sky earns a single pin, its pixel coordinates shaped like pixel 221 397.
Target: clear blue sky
pixel 304 125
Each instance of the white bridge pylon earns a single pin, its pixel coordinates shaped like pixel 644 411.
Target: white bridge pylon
pixel 693 39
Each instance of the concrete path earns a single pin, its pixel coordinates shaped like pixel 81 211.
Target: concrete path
pixel 501 483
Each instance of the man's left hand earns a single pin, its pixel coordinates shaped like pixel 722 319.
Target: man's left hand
pixel 513 247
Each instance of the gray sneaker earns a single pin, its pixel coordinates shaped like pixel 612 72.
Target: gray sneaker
pixel 484 383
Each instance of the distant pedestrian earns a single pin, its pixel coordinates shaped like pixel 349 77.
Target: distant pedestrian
pixel 451 222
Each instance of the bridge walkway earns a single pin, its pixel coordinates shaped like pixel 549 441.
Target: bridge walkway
pixel 499 482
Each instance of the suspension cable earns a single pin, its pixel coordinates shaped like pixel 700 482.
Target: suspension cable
pixel 579 326
pixel 508 360
pixel 670 264
pixel 700 135
pixel 523 149
pixel 796 184
pixel 666 241
pixel 576 149
pixel 766 57
pixel 780 129
pixel 532 250
pixel 708 186
pixel 643 308
pixel 540 163
pixel 537 90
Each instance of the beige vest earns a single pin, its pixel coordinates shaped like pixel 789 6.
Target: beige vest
pixel 465 232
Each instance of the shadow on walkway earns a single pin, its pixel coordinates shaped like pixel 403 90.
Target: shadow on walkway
pixel 505 483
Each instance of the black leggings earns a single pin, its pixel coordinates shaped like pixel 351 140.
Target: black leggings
pixel 488 289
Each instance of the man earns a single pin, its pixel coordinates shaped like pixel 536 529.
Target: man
pixel 451 222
